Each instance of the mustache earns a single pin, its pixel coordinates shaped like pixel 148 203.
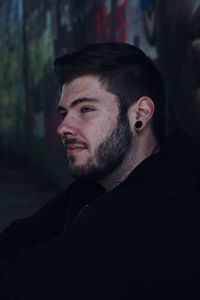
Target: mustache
pixel 73 141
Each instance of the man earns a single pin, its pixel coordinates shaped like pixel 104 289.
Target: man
pixel 118 135
pixel 128 227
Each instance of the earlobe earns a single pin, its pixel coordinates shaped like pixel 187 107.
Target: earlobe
pixel 140 113
pixel 138 124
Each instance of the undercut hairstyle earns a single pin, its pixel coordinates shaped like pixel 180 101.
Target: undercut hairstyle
pixel 124 70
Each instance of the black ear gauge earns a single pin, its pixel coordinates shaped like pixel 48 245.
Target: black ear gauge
pixel 138 124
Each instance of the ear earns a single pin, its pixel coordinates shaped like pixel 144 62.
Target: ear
pixel 141 110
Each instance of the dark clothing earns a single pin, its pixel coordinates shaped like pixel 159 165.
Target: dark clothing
pixel 139 241
pixel 49 222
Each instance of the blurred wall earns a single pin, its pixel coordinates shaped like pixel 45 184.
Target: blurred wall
pixel 33 33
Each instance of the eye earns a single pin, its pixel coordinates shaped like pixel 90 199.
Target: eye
pixel 62 114
pixel 86 109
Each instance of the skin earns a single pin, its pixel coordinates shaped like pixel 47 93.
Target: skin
pixel 90 117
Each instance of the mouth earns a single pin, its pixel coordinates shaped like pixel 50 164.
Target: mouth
pixel 74 148
pixel 73 145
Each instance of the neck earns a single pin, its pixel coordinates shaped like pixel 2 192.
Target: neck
pixel 133 158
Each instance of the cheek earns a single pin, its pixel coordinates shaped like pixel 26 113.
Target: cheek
pixel 95 132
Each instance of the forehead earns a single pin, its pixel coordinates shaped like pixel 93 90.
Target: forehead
pixel 87 87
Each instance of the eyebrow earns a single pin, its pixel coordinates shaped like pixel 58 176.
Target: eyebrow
pixel 78 101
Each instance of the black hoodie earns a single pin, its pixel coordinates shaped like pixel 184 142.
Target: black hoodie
pixel 139 241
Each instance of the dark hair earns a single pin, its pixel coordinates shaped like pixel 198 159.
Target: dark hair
pixel 125 70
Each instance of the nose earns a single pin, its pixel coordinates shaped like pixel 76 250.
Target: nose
pixel 67 127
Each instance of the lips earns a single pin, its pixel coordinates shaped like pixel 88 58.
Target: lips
pixel 73 145
pixel 75 148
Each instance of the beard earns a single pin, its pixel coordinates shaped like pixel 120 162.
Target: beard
pixel 109 154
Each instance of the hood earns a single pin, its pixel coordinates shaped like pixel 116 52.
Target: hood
pixel 175 168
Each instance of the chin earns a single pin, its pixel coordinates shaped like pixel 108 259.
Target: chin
pixel 89 172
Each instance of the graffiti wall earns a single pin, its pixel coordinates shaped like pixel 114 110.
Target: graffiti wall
pixel 11 72
pixel 33 33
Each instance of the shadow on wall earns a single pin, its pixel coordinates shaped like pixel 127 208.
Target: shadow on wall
pixel 178 40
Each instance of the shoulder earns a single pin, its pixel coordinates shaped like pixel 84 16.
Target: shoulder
pixel 27 233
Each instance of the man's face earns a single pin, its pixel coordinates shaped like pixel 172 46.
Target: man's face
pixel 94 133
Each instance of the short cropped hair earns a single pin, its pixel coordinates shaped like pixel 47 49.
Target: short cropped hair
pixel 124 70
